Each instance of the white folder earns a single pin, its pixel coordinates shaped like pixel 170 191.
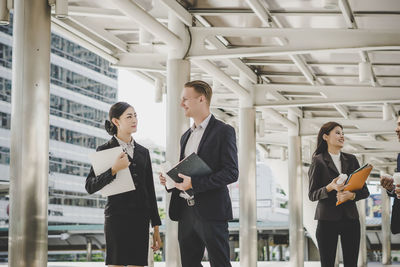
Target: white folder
pixel 104 160
pixel 165 167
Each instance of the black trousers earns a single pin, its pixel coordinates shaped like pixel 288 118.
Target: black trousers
pixel 195 234
pixel 327 238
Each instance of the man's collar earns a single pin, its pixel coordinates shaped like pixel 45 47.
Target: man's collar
pixel 203 124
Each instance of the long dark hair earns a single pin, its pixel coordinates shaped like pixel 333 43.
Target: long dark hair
pixel 116 111
pixel 322 146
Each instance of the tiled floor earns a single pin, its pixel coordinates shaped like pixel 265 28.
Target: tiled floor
pixel 205 264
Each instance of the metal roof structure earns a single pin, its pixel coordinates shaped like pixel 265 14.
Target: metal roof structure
pixel 285 67
pixel 324 60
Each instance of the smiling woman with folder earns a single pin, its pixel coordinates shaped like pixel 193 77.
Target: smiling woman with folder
pixel 333 220
pixel 127 214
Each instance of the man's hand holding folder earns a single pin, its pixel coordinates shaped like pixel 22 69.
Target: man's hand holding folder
pixel 356 180
pixel 186 184
pixel 182 172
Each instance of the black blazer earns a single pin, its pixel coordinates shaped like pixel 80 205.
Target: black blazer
pixel 143 198
pixel 395 223
pixel 218 149
pixel 322 171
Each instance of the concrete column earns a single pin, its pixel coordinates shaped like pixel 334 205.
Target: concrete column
pixel 178 73
pixel 247 179
pixel 296 229
pixel 386 249
pixel 280 252
pixel 362 256
pixel 268 249
pixel 89 248
pixel 29 134
pixel 306 249
pixel 309 207
pixel 361 205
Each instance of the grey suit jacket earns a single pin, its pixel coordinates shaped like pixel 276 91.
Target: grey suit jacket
pixel 322 171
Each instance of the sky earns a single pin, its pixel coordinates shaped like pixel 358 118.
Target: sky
pixel 151 115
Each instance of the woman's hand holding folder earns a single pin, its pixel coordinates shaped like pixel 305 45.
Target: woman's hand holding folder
pixel 335 186
pixel 122 162
pixel 355 182
pixel 344 196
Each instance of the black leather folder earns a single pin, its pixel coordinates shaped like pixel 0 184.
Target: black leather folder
pixel 192 165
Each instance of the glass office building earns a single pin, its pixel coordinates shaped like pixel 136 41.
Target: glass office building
pixel 83 87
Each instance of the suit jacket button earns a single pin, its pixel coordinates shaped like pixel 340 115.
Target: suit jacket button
pixel 134 175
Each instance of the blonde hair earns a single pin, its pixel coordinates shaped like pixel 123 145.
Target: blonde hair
pixel 202 88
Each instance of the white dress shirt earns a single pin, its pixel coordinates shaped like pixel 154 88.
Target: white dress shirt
pixel 336 160
pixel 192 145
pixel 127 147
pixel 197 132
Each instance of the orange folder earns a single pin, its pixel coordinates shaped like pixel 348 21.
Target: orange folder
pixel 357 179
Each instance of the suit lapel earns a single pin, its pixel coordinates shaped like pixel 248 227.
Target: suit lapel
pixel 345 163
pixel 329 162
pixel 206 132
pixel 185 138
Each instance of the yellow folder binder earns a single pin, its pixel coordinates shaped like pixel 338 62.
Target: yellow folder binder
pixel 357 179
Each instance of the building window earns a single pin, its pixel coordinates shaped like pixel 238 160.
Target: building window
pixel 75 138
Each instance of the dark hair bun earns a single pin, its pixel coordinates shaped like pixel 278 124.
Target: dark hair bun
pixel 116 111
pixel 110 127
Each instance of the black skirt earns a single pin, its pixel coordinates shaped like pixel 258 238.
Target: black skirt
pixel 127 238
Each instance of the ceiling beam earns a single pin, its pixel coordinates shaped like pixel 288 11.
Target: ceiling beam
pixel 101 33
pixel 328 90
pixel 185 17
pixel 93 12
pixel 222 77
pixel 152 62
pixel 276 116
pixel 334 95
pixel 84 41
pixel 219 54
pixel 260 11
pixel 288 63
pixel 179 11
pixel 147 21
pixel 288 12
pixel 347 13
pixel 235 62
pixel 344 111
pixel 326 40
pixel 265 16
pixel 329 101
pixel 351 126
pixel 83 33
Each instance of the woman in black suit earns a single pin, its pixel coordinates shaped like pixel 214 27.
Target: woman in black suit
pixel 327 163
pixel 127 215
